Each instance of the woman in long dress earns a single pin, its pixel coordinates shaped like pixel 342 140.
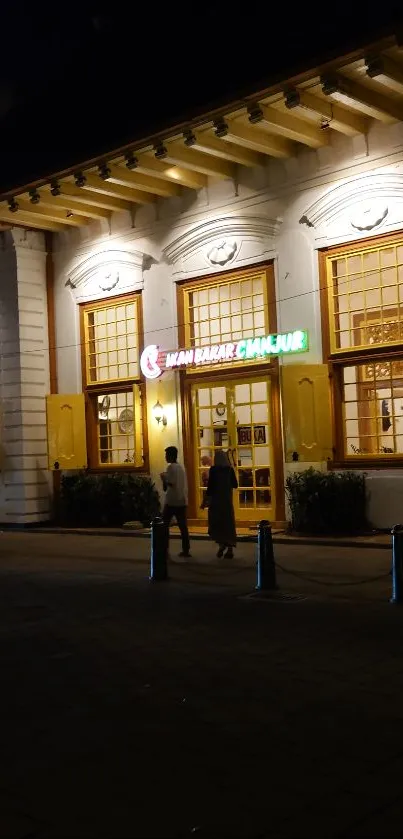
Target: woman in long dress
pixel 221 517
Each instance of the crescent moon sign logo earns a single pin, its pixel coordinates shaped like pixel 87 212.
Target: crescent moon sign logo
pixel 149 362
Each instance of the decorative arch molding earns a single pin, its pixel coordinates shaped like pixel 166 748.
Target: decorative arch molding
pixel 365 201
pixel 214 243
pixel 108 272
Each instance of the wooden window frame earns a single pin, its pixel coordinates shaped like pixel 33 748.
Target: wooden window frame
pixel 269 292
pixel 336 361
pixel 92 390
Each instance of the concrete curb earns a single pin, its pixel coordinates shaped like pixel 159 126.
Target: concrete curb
pixel 279 539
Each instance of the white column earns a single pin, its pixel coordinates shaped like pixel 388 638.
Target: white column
pixel 24 379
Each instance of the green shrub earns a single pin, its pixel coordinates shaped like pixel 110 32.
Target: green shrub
pixel 107 500
pixel 327 502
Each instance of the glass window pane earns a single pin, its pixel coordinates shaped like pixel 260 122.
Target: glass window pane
pixel 116 429
pixel 259 392
pixel 366 294
pixel 108 322
pixel 373 408
pixel 242 393
pixel 222 319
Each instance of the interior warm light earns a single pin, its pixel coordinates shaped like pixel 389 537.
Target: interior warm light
pixel 172 172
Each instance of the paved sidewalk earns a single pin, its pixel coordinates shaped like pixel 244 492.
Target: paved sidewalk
pixel 185 708
pixel 372 540
pixel 314 570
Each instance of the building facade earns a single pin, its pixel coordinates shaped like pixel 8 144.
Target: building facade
pixel 248 297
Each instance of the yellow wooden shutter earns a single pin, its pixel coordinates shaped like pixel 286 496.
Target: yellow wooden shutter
pixel 67 447
pixel 137 417
pixel 306 411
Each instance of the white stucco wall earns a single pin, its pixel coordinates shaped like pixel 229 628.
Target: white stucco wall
pixel 284 211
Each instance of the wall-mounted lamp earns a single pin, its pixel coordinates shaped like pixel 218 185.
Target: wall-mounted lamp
pixel 158 413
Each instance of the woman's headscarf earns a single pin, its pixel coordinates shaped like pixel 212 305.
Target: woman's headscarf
pixel 221 459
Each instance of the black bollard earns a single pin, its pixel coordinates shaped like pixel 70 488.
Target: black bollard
pixel 266 569
pixel 159 550
pixel 397 563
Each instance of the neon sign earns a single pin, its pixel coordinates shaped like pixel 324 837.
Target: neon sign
pixel 154 362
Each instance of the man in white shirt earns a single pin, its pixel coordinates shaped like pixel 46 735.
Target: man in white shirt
pixel 176 497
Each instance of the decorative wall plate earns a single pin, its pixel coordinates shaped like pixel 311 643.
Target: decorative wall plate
pixel 125 421
pixel 220 409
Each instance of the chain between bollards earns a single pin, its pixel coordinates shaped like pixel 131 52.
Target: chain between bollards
pixel 266 568
pixel 397 564
pixel 159 550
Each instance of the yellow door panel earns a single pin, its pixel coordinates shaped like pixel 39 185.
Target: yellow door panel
pixel 307 412
pixel 138 460
pixel 67 447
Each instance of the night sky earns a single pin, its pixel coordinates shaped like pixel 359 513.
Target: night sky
pixel 79 79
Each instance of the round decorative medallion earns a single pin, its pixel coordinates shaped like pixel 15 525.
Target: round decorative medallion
pixel 109 280
pixel 369 216
pixel 222 253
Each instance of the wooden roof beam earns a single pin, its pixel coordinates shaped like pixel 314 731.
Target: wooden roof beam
pixel 198 162
pixel 56 215
pixel 287 126
pixel 23 219
pixel 146 183
pixel 86 197
pixel 205 142
pixel 355 95
pixel 67 203
pixel 346 122
pixel 149 165
pixel 95 184
pixel 253 138
pixel 386 71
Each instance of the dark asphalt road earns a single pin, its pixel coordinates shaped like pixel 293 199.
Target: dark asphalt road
pixel 183 709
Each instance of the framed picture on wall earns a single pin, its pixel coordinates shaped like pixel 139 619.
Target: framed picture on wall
pixel 221 436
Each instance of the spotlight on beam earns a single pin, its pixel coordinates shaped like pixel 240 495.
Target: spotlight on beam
pixel 255 114
pixel 80 179
pixel 55 189
pixel 160 151
pixel 131 161
pixel 220 128
pixel 104 171
pixel 13 205
pixel 34 196
pixel 292 99
pixel 189 138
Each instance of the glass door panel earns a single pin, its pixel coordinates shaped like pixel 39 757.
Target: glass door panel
pixel 253 448
pixel 236 418
pixel 211 408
